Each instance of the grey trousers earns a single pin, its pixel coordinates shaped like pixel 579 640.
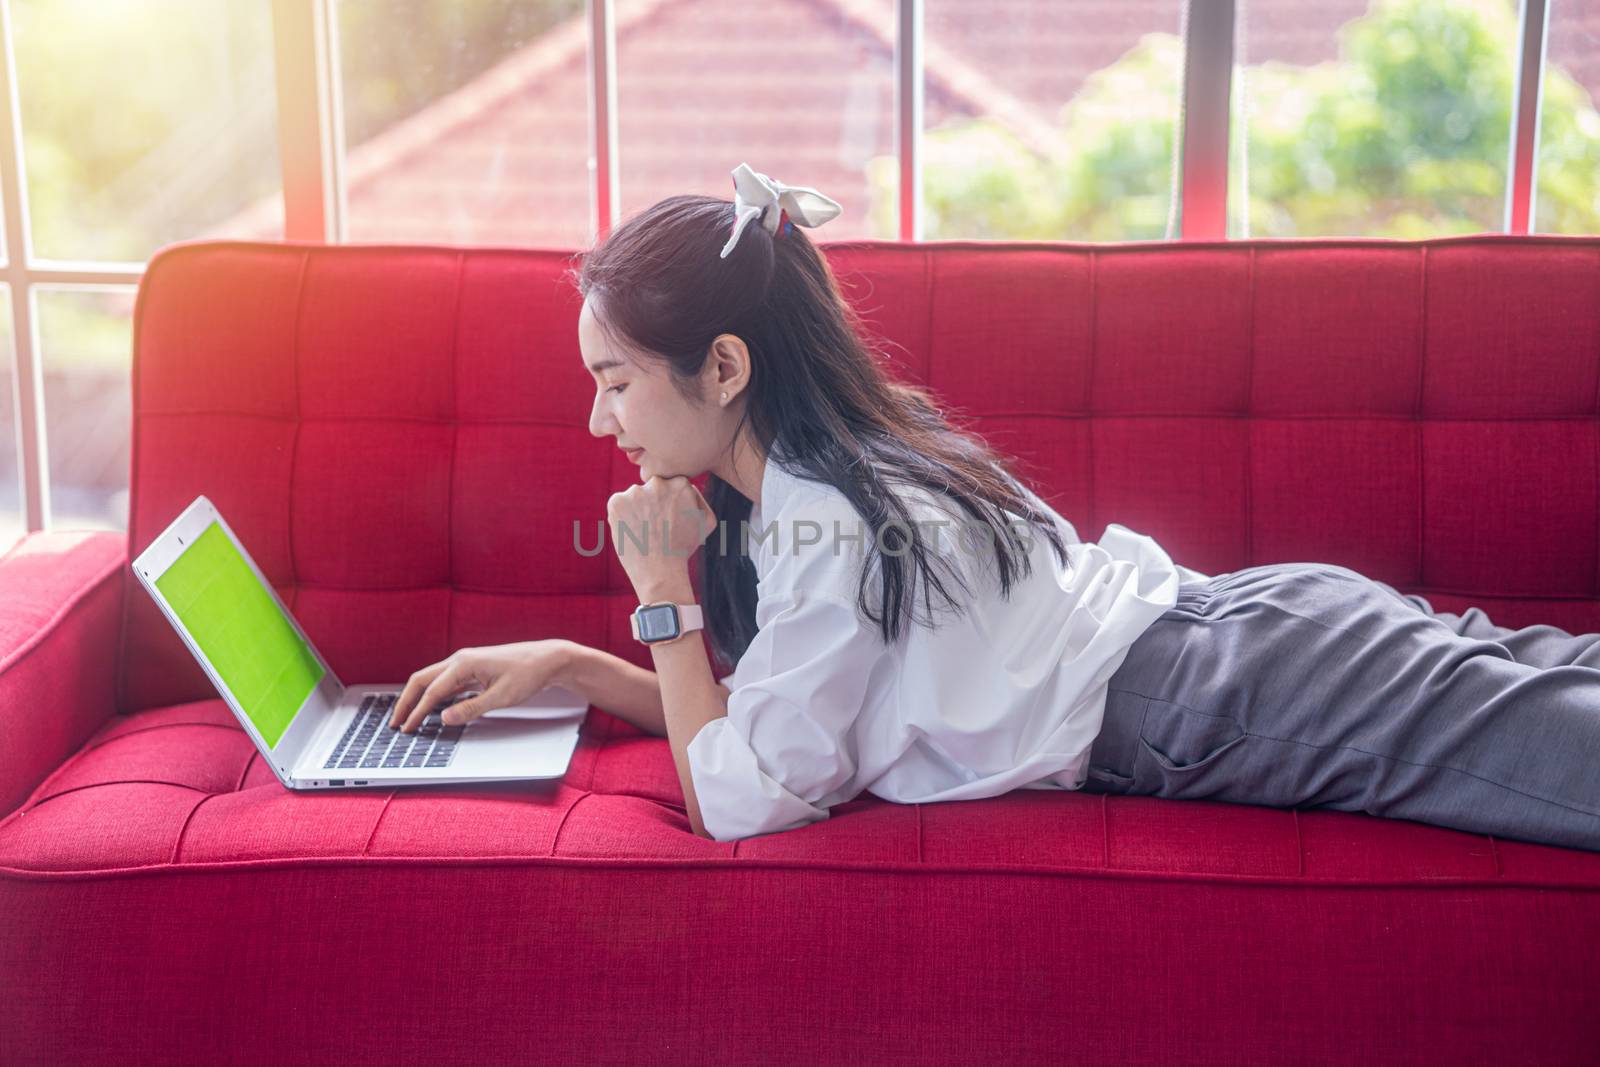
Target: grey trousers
pixel 1312 685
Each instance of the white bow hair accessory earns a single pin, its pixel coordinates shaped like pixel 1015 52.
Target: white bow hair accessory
pixel 755 194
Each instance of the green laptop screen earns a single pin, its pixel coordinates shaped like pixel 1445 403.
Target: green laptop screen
pixel 250 642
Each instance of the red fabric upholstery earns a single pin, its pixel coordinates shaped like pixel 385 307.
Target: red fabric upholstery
pixel 399 435
pixel 60 599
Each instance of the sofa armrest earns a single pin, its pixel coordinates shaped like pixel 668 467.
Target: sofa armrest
pixel 60 600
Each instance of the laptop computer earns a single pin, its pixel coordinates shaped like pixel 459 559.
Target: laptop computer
pixel 313 730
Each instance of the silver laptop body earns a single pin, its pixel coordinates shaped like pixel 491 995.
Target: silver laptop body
pixel 301 717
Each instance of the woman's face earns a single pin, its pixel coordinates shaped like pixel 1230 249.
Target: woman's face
pixel 636 403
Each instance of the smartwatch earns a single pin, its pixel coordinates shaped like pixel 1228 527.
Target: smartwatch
pixel 655 624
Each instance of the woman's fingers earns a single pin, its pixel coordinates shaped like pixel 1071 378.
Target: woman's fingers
pixel 444 685
pixel 463 711
pixel 413 690
pixel 506 674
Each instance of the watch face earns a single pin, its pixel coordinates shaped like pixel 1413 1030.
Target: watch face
pixel 658 622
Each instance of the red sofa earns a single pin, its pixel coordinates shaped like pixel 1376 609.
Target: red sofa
pixel 398 433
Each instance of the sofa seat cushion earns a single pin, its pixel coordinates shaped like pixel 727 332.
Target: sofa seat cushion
pixel 182 786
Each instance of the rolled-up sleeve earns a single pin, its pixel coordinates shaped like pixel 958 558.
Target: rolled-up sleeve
pixel 795 695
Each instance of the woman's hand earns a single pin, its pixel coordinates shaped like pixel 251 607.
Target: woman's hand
pixel 504 674
pixel 670 518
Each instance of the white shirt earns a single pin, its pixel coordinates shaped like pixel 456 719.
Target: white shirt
pixel 1010 695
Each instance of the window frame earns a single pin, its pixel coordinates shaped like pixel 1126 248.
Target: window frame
pixel 311 150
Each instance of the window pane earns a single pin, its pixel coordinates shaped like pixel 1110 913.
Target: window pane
pixel 86 340
pixel 466 123
pixel 1567 193
pixel 144 122
pixel 802 92
pixel 1388 120
pixel 12 521
pixel 1050 121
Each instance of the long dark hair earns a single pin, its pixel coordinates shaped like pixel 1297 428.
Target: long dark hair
pixel 817 398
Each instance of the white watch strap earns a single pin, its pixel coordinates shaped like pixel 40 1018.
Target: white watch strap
pixel 690 617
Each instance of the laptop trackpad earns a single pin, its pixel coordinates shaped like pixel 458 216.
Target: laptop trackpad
pixel 541 733
pixel 551 702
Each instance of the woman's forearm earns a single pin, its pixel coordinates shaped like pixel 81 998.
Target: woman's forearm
pixel 629 692
pixel 610 682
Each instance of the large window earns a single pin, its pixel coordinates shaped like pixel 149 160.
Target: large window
pixel 85 340
pixel 802 92
pixel 1051 121
pixel 11 525
pixel 465 122
pixel 1567 199
pixel 142 123
pixel 1383 120
pixel 540 123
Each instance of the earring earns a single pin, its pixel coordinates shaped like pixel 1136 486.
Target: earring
pixel 724 397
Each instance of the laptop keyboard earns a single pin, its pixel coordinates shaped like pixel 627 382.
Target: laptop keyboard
pixel 368 741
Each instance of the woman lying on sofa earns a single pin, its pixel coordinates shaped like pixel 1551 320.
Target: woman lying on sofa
pixel 841 501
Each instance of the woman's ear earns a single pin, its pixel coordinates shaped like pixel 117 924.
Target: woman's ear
pixel 729 367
